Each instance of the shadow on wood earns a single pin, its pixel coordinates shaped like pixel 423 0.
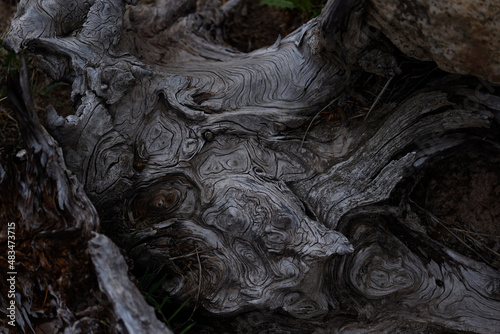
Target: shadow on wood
pixel 230 174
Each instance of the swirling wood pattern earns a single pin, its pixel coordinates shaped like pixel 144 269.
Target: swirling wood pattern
pixel 209 162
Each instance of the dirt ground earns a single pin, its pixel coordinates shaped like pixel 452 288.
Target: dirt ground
pixel 463 194
pixel 7 9
pixel 256 25
pixel 9 133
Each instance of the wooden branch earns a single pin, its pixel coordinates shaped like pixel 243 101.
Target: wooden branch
pixel 133 314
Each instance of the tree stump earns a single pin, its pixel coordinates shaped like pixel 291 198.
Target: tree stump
pixel 287 189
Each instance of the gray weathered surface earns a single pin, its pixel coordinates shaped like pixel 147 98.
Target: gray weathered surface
pixel 133 314
pixel 49 221
pixel 461 36
pixel 196 152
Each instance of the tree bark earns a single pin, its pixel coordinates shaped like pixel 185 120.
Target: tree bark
pixel 229 174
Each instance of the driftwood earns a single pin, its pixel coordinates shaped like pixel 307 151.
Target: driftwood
pixel 223 171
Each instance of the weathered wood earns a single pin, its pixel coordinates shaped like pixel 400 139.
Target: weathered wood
pixel 49 222
pixel 133 314
pixel 211 164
